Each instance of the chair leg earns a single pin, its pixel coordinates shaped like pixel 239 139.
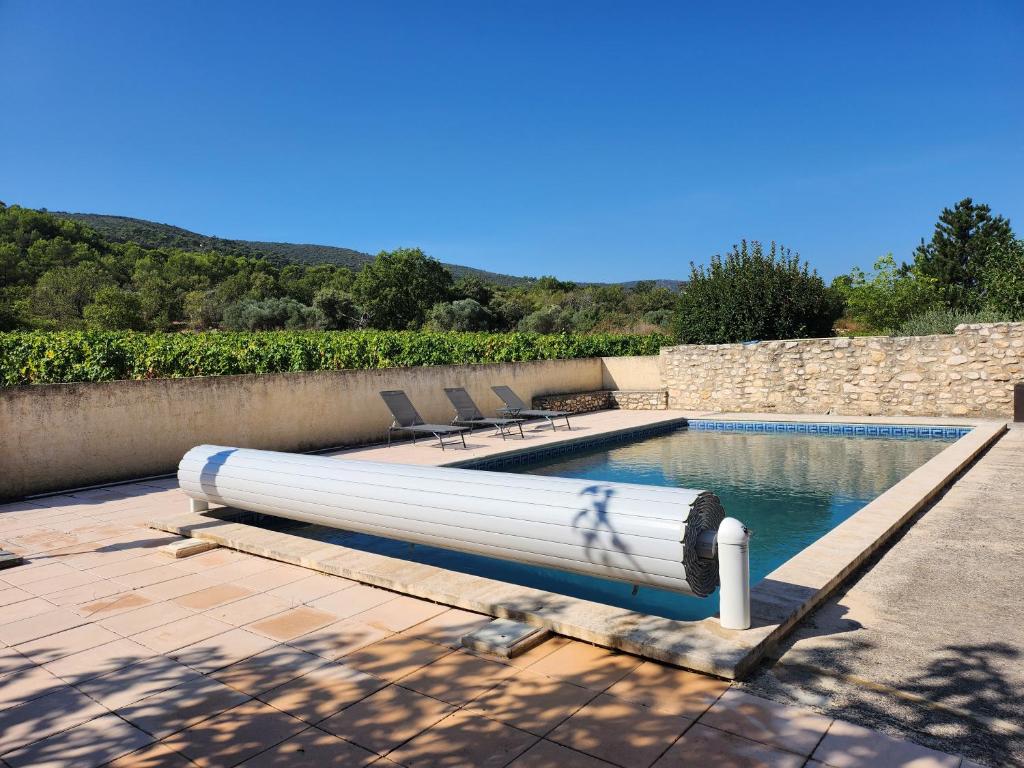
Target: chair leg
pixel 463 436
pixel 520 425
pixel 567 424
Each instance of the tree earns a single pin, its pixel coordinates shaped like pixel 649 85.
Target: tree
pixel 472 287
pixel 336 310
pixel 550 319
pixel 1003 280
pixel 955 258
pixel 61 294
pixel 114 309
pixel 886 298
pixel 398 288
pixel 268 315
pixel 461 315
pixel 753 294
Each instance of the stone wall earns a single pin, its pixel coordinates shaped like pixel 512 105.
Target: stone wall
pixel 968 373
pixel 585 402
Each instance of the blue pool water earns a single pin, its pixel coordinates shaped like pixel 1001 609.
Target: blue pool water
pixel 790 489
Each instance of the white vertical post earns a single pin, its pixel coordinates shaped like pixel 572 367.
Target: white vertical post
pixel 195 506
pixel 734 574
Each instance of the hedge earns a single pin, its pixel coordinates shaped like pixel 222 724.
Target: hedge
pixel 37 357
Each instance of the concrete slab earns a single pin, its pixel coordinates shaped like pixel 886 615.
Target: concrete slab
pixel 505 638
pixel 186 548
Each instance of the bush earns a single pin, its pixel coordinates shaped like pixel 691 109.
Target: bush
pixel 887 297
pixel 269 315
pixel 461 315
pixel 945 320
pixel 38 357
pixel 752 294
pixel 1004 280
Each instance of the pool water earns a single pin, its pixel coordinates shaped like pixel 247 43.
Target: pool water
pixel 789 489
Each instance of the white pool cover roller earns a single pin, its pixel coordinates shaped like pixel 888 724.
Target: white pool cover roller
pixel 639 534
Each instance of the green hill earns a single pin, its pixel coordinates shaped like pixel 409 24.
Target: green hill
pixel 151 234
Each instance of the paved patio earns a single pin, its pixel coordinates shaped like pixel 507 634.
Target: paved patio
pixel 114 654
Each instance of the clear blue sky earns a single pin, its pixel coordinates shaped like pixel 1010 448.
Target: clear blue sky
pixel 592 140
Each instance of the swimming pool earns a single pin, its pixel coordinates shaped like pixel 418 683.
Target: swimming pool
pixel 790 488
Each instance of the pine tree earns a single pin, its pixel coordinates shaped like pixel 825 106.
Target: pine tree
pixel 956 255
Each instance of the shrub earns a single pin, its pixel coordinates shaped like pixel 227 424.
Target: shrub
pixel 888 296
pixel 461 315
pixel 945 320
pixel 268 315
pixel 1004 280
pixel 752 294
pixel 37 357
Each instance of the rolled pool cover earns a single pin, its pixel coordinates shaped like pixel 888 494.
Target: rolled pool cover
pixel 639 534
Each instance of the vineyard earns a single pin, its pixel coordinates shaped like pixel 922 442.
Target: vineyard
pixel 36 357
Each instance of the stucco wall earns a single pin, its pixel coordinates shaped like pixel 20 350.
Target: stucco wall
pixel 631 372
pixel 968 373
pixel 60 436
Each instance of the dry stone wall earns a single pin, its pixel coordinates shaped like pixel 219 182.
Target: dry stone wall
pixel 585 402
pixel 970 372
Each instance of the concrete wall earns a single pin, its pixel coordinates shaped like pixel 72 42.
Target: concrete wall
pixel 631 373
pixel 968 373
pixel 59 436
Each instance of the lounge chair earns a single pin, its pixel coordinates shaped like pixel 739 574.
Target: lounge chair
pixel 407 419
pixel 467 414
pixel 515 407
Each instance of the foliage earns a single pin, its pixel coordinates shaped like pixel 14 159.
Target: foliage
pixel 755 294
pixel 113 309
pixel 461 315
pixel 955 258
pixel 887 297
pixel 398 288
pixel 268 314
pixel 945 320
pixel 37 357
pixel 1003 280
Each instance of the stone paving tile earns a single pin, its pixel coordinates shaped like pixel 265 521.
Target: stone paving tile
pixel 395 657
pixel 249 609
pixel 670 689
pixel 221 650
pixel 150 616
pixel 464 739
pixel 123 567
pixel 131 684
pixel 458 677
pixel 86 593
pixel 311 588
pixel 234 736
pixel 26 684
pixel 25 609
pixel 63 708
pixel 40 625
pixel 851 746
pixel 627 734
pixel 703 746
pixel 547 754
pixel 85 746
pixel 322 692
pixel 174 709
pixel 149 576
pixel 12 661
pixel 180 633
pixel 312 749
pixel 63 582
pixel 61 644
pixel 293 623
pixel 173 588
pixel 274 578
pixel 211 597
pixel 356 599
pixel 10 595
pixel 449 627
pixel 112 605
pixel 156 755
pixel 768 722
pixel 31 573
pixel 532 702
pixel 269 669
pixel 240 570
pixel 586 665
pixel 387 719
pixel 101 660
pixel 336 640
pixel 400 614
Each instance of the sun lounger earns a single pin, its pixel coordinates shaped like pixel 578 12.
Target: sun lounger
pixel 467 414
pixel 514 407
pixel 407 419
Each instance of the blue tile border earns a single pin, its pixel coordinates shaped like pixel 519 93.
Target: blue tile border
pixel 816 428
pixel 906 431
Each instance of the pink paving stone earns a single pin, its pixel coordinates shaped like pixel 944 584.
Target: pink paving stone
pixel 131 684
pixel 311 588
pixel 312 748
pixel 851 746
pixel 401 613
pixel 61 644
pixel 703 746
pixel 26 684
pixel 150 616
pixel 174 709
pixel 90 744
pixel 547 754
pixel 464 739
pixel 181 632
pixel 356 599
pixel 63 708
pixel 268 669
pixel 779 725
pixel 103 659
pixel 293 623
pixel 221 650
